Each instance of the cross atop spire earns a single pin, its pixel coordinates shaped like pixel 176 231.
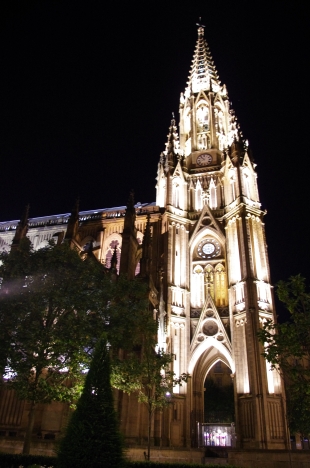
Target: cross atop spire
pixel 200 27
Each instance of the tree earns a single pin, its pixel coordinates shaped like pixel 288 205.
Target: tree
pixel 129 320
pixel 149 374
pixel 136 366
pixel 50 303
pixel 287 348
pixel 92 437
pixel 53 307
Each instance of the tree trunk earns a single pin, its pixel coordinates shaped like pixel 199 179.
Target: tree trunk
pixel 149 435
pixel 28 436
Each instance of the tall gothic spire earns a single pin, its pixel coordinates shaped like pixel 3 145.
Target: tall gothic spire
pixel 203 74
pixel 207 121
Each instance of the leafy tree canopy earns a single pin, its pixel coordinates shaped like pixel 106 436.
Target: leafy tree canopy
pixel 287 348
pixel 53 308
pixel 48 298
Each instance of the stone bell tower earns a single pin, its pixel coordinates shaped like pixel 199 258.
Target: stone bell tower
pixel 217 279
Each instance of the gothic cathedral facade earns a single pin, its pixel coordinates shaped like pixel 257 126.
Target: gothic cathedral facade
pixel 206 253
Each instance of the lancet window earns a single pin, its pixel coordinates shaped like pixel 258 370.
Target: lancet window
pixel 198 196
pixel 213 195
pixel 246 183
pixel 209 280
pixel 197 287
pixel 230 186
pixel 162 191
pixel 203 118
pixel 176 192
pixel 113 244
pixel 220 285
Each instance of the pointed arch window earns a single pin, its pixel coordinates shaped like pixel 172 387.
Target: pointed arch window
pixel 197 289
pixel 220 285
pixel 232 185
pixel 203 117
pixel 246 183
pixel 213 195
pixel 209 280
pixel 162 191
pixel 198 196
pixel 114 244
pixel 220 122
pixel 176 192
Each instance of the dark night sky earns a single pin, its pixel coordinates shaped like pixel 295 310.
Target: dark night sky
pixel 87 92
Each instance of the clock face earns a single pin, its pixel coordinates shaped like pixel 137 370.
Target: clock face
pixel 204 159
pixel 209 248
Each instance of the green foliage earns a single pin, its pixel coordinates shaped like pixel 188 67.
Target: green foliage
pixel 47 328
pixel 17 461
pixel 10 460
pixel 287 348
pixel 149 464
pixel 129 318
pixel 52 306
pixel 92 438
pixel 149 374
pixel 140 369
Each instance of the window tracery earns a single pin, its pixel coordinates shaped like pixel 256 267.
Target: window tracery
pixel 202 118
pixel 220 285
pixel 113 244
pixel 209 280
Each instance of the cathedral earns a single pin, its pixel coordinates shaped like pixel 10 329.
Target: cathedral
pixel 202 243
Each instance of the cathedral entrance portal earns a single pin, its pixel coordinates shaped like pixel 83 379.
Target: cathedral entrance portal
pixel 210 362
pixel 217 428
pixel 219 395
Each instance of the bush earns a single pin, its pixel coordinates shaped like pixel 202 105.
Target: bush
pixel 93 438
pixel 8 460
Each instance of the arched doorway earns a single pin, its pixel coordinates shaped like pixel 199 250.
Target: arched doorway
pixel 210 361
pixel 219 395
